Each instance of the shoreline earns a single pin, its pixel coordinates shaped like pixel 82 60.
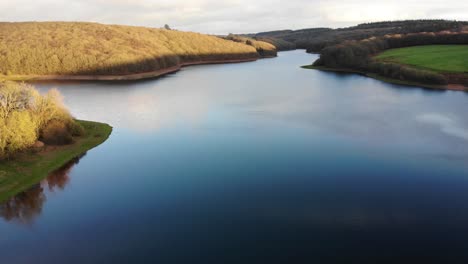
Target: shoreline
pixel 448 87
pixel 29 168
pixel 126 77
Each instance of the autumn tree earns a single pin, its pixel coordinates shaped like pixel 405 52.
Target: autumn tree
pixel 26 116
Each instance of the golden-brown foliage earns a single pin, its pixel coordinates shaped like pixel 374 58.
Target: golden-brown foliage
pixel 18 132
pixel 67 48
pixel 50 107
pixel 25 115
pixel 265 49
pixel 280 44
pixel 56 133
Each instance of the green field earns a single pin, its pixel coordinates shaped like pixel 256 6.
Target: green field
pixel 440 58
pixel 30 168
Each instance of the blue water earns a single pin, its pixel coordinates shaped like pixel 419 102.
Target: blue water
pixel 260 162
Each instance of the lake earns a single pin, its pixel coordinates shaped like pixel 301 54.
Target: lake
pixel 260 162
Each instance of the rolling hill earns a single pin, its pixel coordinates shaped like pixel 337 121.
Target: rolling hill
pixel 91 49
pixel 315 39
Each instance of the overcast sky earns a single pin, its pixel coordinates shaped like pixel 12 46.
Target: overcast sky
pixel 236 16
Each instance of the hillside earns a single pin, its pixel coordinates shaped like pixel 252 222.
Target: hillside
pixel 315 39
pixel 75 48
pixel 265 49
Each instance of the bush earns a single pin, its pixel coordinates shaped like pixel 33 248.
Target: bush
pixel 25 115
pixel 76 129
pixel 56 133
pixel 18 132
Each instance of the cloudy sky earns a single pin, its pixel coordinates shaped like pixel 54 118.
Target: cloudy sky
pixel 219 17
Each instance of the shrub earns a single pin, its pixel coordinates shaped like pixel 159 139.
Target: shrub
pixel 56 133
pixel 48 107
pixel 18 132
pixel 25 115
pixel 76 129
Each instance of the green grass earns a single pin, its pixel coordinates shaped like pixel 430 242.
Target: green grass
pixel 439 58
pixel 27 169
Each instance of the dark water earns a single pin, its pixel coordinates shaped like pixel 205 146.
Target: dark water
pixel 259 162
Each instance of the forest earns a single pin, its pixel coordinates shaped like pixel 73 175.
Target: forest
pixel 316 39
pixel 76 48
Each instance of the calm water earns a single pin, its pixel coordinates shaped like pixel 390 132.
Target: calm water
pixel 256 162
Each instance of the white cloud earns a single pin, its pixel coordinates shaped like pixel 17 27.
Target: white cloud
pixel 213 16
pixel 448 125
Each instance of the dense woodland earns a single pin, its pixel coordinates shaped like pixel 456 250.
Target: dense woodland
pixel 66 48
pixel 316 39
pixel 358 55
pixel 27 116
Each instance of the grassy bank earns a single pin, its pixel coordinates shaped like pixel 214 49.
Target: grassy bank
pixel 439 58
pixel 27 169
pixel 388 80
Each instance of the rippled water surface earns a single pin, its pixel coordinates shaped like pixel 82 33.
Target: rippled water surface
pixel 255 162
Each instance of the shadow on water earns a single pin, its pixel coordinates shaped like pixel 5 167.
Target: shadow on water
pixel 352 76
pixel 148 65
pixel 25 207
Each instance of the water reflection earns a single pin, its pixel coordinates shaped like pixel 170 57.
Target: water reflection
pixel 25 207
pixel 262 159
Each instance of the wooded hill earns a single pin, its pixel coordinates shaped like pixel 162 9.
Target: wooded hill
pixel 315 39
pixel 75 48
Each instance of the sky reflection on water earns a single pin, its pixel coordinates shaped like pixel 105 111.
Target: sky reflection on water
pixel 259 162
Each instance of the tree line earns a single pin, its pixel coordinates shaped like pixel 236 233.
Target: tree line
pixel 358 55
pixel 316 39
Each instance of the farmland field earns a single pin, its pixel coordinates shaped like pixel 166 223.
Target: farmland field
pixel 440 58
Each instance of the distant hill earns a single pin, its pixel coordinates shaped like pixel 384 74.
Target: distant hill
pixel 315 39
pixel 75 48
